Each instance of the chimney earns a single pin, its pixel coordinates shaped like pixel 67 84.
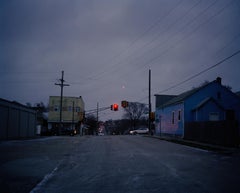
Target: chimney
pixel 219 80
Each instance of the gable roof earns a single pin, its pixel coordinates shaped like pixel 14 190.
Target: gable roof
pixel 162 99
pixel 180 98
pixel 205 101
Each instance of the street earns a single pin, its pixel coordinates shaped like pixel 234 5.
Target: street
pixel 111 164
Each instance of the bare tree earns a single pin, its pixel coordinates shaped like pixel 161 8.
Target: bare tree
pixel 135 111
pixel 91 122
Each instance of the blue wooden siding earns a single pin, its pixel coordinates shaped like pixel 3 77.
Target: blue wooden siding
pixel 222 100
pixel 219 93
pixel 203 113
pixel 167 123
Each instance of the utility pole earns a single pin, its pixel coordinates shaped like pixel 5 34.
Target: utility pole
pixel 97 111
pixel 73 116
pixel 149 102
pixel 97 117
pixel 61 85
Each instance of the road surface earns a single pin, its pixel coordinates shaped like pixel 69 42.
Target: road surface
pixel 114 164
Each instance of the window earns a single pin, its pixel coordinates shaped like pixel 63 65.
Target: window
pixel 179 115
pixel 56 108
pixel 214 116
pixel 77 109
pixel 173 117
pixel 70 108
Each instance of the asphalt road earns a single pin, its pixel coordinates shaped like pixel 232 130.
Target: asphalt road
pixel 112 164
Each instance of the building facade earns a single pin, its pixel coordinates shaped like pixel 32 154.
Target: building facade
pixel 16 120
pixel 200 114
pixel 72 114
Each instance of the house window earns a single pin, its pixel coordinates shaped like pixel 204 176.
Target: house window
pixel 179 115
pixel 214 116
pixel 70 108
pixel 173 117
pixel 77 109
pixel 56 108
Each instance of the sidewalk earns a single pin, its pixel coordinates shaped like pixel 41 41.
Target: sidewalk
pixel 205 146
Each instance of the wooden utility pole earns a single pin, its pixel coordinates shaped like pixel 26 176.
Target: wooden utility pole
pixel 73 116
pixel 149 102
pixel 61 85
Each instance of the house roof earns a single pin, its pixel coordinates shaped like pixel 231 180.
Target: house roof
pixel 162 99
pixel 180 98
pixel 206 100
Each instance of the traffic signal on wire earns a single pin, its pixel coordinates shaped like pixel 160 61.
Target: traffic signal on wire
pixel 114 107
pixel 124 104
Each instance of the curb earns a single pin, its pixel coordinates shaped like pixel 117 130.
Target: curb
pixel 204 146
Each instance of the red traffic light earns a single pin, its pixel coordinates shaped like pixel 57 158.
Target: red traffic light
pixel 114 107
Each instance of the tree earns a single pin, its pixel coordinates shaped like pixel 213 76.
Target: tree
pixel 135 111
pixel 91 122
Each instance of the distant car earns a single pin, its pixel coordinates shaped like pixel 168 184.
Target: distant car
pixel 100 133
pixel 139 131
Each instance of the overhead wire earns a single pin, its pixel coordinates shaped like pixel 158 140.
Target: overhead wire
pixel 171 11
pixel 195 29
pixel 138 38
pixel 186 36
pixel 154 59
pixel 201 72
pixel 195 75
pixel 158 34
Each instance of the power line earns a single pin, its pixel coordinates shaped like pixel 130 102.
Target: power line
pixel 159 20
pixel 95 110
pixel 197 74
pixel 161 32
pixel 154 59
pixel 203 71
pixel 187 35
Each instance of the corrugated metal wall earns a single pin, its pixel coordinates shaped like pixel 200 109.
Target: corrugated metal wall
pixel 16 120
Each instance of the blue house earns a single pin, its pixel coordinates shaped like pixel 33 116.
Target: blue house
pixel 210 113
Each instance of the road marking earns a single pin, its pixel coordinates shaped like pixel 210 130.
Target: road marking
pixel 44 180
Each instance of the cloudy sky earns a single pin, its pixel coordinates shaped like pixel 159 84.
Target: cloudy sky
pixel 106 48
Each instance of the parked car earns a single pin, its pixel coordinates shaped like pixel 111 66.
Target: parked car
pixel 141 130
pixel 100 134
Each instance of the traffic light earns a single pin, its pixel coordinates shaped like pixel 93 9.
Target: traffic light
pixel 124 104
pixel 152 116
pixel 114 107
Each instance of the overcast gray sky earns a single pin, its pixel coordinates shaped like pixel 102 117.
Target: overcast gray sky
pixel 106 48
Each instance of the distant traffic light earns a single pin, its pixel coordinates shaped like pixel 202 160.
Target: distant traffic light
pixel 114 107
pixel 124 104
pixel 152 116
